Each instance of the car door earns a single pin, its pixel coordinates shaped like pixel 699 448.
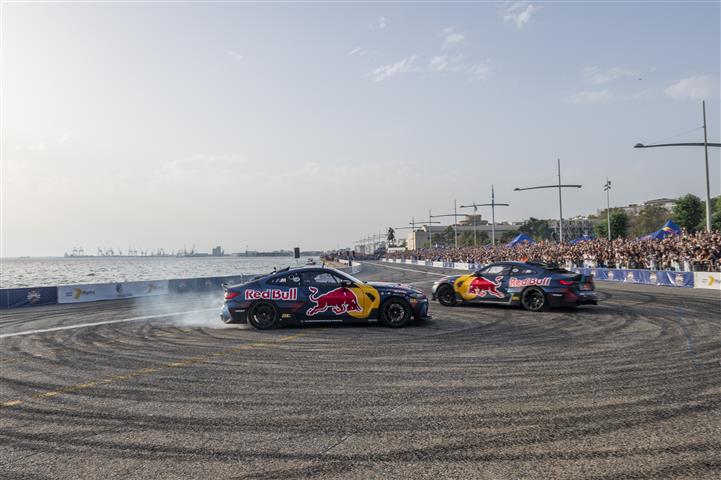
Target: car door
pixel 286 293
pixel 326 299
pixel 490 285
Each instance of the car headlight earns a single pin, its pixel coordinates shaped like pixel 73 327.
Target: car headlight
pixel 417 296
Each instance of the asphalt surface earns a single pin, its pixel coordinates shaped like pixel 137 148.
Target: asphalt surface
pixel 630 388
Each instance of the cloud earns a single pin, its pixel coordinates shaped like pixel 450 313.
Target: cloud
pixel 404 65
pixel 234 55
pixel 599 76
pixel 451 38
pixel 694 88
pixel 520 13
pixel 381 24
pixel 35 147
pixel 591 96
pixel 358 51
pixel 436 64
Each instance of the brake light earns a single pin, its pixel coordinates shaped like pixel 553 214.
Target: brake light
pixel 230 295
pixel 566 282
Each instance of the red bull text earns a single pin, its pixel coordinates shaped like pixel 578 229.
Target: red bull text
pixel 526 282
pixel 272 294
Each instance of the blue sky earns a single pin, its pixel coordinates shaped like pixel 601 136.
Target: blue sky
pixel 275 125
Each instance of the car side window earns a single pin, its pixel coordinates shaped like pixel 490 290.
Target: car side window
pixel 292 279
pixel 318 278
pixel 517 271
pixel 495 270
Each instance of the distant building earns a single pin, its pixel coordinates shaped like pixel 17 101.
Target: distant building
pixel 218 252
pixel 635 208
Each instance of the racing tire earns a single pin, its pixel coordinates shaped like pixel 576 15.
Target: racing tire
pixel 446 296
pixel 395 313
pixel 263 316
pixel 534 300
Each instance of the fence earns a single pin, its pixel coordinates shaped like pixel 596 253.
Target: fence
pixel 706 280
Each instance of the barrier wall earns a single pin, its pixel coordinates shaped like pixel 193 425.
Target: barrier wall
pixel 92 292
pixel 708 280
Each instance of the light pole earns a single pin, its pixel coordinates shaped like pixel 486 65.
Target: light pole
pixel 705 145
pixel 560 200
pixel 455 215
pixel 493 206
pixel 607 188
pixel 430 232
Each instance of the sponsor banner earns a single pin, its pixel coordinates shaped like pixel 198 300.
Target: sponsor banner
pixel 709 280
pixel 461 266
pixel 272 294
pixel 28 297
pixel 438 264
pixel 92 292
pixel 525 282
pixel 643 277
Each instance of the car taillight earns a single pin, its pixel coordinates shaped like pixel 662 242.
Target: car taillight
pixel 229 295
pixel 566 282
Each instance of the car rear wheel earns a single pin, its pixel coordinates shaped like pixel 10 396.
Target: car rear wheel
pixel 534 300
pixel 263 316
pixel 446 296
pixel 395 313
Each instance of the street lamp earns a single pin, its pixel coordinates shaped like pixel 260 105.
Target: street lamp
pixel 705 145
pixel 493 206
pixel 607 189
pixel 446 215
pixel 560 200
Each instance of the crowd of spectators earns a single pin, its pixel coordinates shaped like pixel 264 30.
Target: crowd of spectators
pixel 686 252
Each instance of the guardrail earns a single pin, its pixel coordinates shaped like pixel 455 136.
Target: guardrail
pixel 354 268
pixel 706 280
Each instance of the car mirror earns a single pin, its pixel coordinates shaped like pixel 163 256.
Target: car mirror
pixel 346 283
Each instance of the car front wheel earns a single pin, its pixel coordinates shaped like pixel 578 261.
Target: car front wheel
pixel 534 300
pixel 395 313
pixel 263 316
pixel 446 296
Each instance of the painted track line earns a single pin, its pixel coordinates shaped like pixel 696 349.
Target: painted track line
pixel 104 322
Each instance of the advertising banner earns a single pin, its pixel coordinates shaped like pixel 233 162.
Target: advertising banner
pixel 92 292
pixel 28 297
pixel 643 277
pixel 709 280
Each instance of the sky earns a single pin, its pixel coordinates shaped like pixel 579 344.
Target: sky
pixel 269 126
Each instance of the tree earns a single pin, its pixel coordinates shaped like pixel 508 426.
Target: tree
pixel 648 220
pixel 619 225
pixel 508 235
pixel 689 212
pixel 538 229
pixel 391 236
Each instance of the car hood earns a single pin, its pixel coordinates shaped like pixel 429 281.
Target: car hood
pixel 390 286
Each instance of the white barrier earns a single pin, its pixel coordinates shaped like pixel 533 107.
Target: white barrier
pixel 92 292
pixel 355 268
pixel 708 280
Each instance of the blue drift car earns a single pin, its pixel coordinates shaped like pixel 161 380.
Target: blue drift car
pixel 320 294
pixel 534 286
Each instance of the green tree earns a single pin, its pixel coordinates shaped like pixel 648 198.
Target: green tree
pixel 648 220
pixel 507 236
pixel 619 225
pixel 537 229
pixel 689 212
pixel 716 217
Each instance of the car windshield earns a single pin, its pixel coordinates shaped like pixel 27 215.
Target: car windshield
pixel 348 276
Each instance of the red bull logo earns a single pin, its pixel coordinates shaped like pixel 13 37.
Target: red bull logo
pixel 339 300
pixel 481 287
